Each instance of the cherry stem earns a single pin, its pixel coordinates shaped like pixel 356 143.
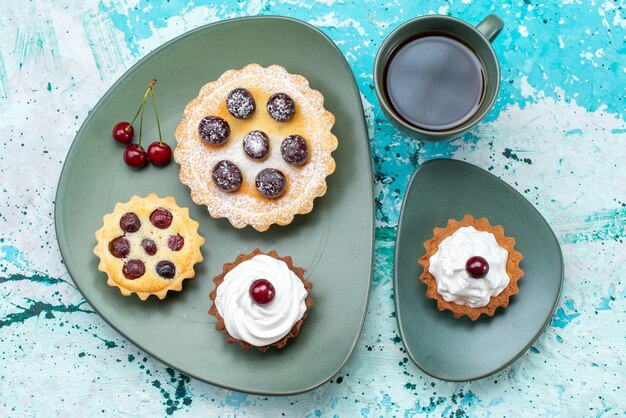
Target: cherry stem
pixel 141 120
pixel 157 115
pixel 143 103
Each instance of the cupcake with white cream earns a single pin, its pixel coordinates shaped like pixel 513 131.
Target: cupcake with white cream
pixel 470 267
pixel 260 300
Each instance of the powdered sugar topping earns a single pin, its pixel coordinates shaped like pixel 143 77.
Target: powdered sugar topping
pixel 256 145
pixel 240 103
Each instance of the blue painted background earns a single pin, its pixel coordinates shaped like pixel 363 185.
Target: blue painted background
pixel 556 133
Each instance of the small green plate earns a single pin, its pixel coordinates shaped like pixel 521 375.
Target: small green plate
pixel 178 329
pixel 458 349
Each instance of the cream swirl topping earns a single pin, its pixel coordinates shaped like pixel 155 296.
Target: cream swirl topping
pixel 447 265
pixel 260 325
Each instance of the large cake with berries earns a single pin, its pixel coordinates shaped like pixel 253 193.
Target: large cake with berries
pixel 255 146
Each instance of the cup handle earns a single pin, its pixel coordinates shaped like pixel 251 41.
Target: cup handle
pixel 490 27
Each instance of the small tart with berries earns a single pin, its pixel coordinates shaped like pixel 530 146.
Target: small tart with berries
pixel 148 246
pixel 260 300
pixel 470 267
pixel 255 146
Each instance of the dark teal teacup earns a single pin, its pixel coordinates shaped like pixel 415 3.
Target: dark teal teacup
pixel 412 108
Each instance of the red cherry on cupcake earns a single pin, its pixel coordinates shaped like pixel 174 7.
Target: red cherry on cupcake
pixel 159 153
pixel 477 267
pixel 262 291
pixel 149 246
pixel 135 156
pixel 123 132
pixel 161 218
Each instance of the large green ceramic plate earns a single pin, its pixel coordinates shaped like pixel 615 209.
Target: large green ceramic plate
pixel 178 330
pixel 459 349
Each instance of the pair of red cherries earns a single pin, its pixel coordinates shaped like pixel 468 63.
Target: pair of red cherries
pixel 159 153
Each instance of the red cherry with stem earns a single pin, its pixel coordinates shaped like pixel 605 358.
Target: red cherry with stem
pixel 135 156
pixel 262 291
pixel 123 132
pixel 159 153
pixel 477 267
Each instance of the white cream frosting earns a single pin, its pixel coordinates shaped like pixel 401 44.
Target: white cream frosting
pixel 260 325
pixel 447 265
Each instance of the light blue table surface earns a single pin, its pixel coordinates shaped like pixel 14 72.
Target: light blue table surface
pixel 557 134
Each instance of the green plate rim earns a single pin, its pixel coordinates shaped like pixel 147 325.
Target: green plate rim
pixel 395 274
pixel 61 186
